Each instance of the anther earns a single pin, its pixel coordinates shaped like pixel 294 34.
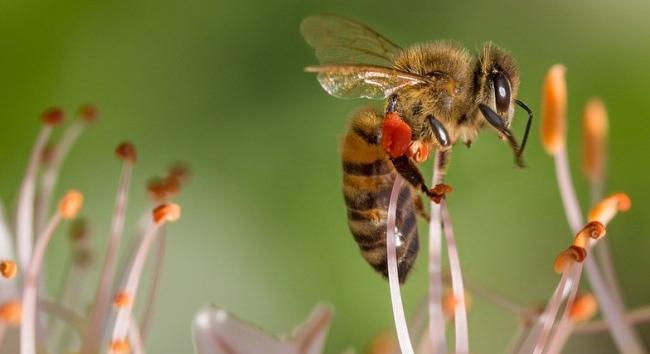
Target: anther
pixel 179 171
pixel 71 204
pixel 449 303
pixel 584 308
pixel 169 212
pixel 383 343
pixel 122 299
pixel 569 256
pixel 594 229
pixel 11 312
pixel 88 113
pixel 606 209
pixel 8 269
pixel 52 116
pixel 594 120
pixel 126 151
pixel 554 102
pixel 439 192
pixel 120 347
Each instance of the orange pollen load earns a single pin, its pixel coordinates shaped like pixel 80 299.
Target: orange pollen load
pixel 88 113
pixel 419 151
pixel 126 151
pixel 583 308
pixel 11 312
pixel 122 299
pixel 52 116
pixel 554 102
pixel 71 204
pixel 8 269
pixel 120 346
pixel 166 212
pixel 396 135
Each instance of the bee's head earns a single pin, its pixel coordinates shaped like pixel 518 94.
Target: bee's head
pixel 496 81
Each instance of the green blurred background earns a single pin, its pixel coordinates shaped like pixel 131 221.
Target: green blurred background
pixel 220 85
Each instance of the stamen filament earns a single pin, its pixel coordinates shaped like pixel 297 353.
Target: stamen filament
pixel 154 289
pixel 396 298
pixel 130 286
pixel 436 315
pixel 25 206
pixel 51 173
pixel 639 315
pixel 102 304
pixel 28 322
pixel 460 314
pixel 626 339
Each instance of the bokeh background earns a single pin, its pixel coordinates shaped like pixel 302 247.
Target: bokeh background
pixel 219 84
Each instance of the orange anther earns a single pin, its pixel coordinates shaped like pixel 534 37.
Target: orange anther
pixel 52 116
pixel 11 312
pixel 594 229
pixel 120 347
pixel 554 102
pixel 126 151
pixel 569 256
pixel 594 121
pixel 122 299
pixel 8 269
pixel 88 113
pixel 606 209
pixel 71 204
pixel 382 343
pixel 584 307
pixel 449 303
pixel 166 212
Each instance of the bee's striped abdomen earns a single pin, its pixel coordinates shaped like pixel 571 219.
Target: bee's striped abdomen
pixel 368 177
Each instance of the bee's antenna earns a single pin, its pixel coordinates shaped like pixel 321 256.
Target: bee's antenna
pixel 530 121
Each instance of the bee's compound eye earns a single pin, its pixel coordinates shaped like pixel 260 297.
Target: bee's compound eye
pixel 501 92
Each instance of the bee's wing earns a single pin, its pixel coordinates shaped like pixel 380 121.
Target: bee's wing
pixel 364 81
pixel 338 40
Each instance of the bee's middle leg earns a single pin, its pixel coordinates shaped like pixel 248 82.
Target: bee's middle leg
pixel 410 172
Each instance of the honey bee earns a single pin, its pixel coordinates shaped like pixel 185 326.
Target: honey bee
pixel 436 94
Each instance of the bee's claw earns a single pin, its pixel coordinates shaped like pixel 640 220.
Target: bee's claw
pixel 439 192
